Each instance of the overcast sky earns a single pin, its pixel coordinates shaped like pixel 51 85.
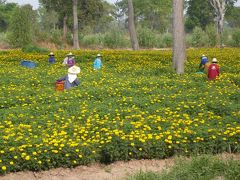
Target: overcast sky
pixel 35 4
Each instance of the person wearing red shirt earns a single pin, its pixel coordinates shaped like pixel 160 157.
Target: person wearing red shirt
pixel 213 70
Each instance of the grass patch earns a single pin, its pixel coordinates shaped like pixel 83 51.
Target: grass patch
pixel 205 167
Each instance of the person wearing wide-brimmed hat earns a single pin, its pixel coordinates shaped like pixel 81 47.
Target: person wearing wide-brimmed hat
pixel 213 70
pixel 69 60
pixel 71 80
pixel 51 58
pixel 97 64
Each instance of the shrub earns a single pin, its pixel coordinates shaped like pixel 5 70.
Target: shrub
pixel 92 40
pixel 167 40
pixel 32 48
pixel 198 37
pixel 211 36
pixel 56 36
pixel 236 38
pixel 146 37
pixel 115 38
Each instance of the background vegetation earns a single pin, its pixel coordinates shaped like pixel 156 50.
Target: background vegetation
pixel 104 25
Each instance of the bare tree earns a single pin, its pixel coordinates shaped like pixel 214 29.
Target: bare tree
pixel 131 26
pixel 178 36
pixel 75 25
pixel 220 10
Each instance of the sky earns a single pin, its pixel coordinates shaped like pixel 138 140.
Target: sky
pixel 35 3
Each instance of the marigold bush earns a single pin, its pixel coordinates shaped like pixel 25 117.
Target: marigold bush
pixel 135 107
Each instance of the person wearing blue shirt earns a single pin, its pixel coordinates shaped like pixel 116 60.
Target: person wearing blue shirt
pixel 51 58
pixel 97 62
pixel 203 63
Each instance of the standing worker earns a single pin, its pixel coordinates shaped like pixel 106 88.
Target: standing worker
pixel 97 62
pixel 213 70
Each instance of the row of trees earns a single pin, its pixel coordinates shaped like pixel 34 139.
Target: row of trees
pixel 98 16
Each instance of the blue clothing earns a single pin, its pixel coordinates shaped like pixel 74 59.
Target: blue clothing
pixel 97 64
pixel 204 60
pixel 51 60
pixel 67 84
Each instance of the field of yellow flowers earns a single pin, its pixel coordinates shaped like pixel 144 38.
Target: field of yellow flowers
pixel 135 107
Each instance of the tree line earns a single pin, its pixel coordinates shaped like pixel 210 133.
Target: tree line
pixel 96 22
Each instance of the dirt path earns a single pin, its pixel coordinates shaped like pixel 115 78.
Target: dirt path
pixel 115 171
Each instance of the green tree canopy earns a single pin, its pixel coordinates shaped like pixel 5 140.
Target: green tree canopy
pixel 232 17
pixel 199 13
pixel 89 11
pixel 154 14
pixel 5 14
pixel 22 26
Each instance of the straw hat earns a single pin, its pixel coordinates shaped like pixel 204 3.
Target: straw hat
pixel 51 54
pixel 74 70
pixel 99 55
pixel 70 54
pixel 214 60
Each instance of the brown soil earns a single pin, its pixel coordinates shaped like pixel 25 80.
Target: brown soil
pixel 115 171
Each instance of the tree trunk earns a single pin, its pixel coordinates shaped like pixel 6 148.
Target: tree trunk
pixel 178 36
pixel 131 26
pixel 65 29
pixel 220 10
pixel 75 26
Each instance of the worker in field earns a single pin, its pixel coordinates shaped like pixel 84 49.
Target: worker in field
pixel 203 66
pixel 213 70
pixel 97 64
pixel 71 79
pixel 69 60
pixel 51 58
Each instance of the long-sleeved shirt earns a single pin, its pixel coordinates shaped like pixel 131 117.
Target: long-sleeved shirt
pixel 69 61
pixel 67 83
pixel 97 63
pixel 51 60
pixel 213 71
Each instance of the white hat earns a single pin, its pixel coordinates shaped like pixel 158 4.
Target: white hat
pixel 99 55
pixel 74 70
pixel 214 60
pixel 70 54
pixel 203 55
pixel 51 54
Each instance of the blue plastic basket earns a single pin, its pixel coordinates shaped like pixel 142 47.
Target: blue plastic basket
pixel 28 64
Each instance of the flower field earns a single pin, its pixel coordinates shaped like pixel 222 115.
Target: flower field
pixel 135 107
